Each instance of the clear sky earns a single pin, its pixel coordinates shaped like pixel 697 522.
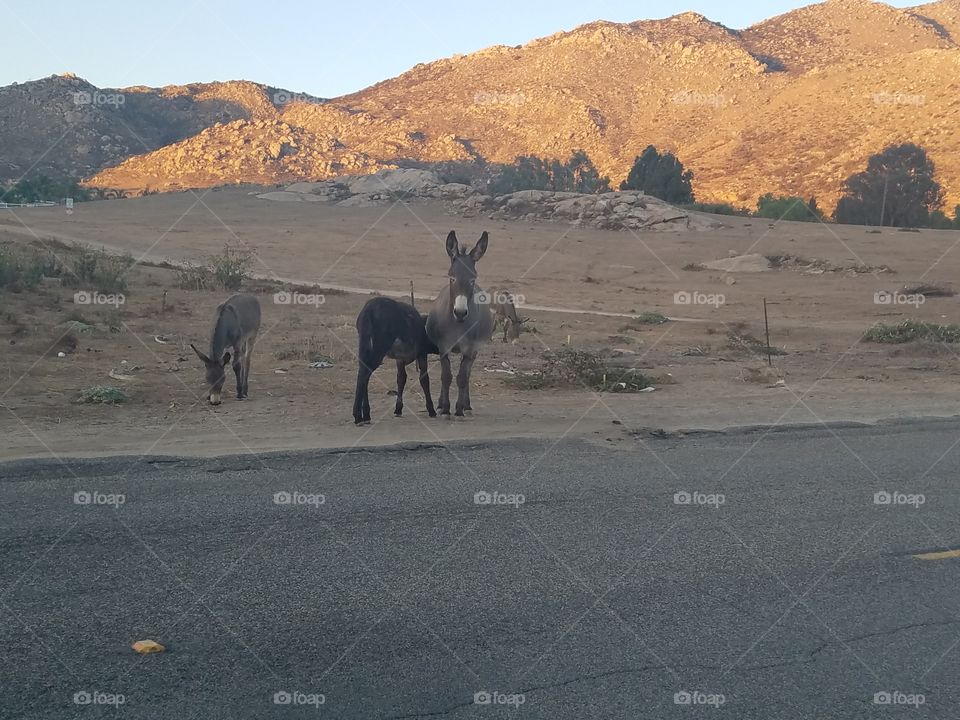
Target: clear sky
pixel 323 48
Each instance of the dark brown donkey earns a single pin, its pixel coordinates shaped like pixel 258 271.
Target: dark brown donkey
pixel 235 325
pixel 388 328
pixel 458 323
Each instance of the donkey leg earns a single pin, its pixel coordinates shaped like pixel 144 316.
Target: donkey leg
pixel 425 384
pixel 463 385
pixel 247 357
pixel 361 408
pixel 446 377
pixel 238 371
pixel 401 384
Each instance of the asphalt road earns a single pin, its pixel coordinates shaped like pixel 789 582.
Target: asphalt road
pixel 382 590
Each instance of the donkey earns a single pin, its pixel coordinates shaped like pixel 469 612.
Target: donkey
pixel 501 302
pixel 458 323
pixel 388 328
pixel 236 324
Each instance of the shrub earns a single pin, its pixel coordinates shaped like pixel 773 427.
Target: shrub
pixel 231 267
pixel 24 269
pixel 194 277
pixel 579 368
pixel 785 207
pixel 99 270
pixel 911 330
pixel 102 394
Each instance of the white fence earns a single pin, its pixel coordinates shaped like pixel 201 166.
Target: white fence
pixel 45 203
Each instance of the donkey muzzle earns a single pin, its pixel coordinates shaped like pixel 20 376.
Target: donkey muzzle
pixel 460 308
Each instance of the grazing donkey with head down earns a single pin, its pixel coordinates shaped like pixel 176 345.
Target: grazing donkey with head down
pixel 388 328
pixel 457 323
pixel 235 325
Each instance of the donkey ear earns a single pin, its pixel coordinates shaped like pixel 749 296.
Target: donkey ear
pixel 226 359
pixel 480 248
pixel 206 360
pixel 453 245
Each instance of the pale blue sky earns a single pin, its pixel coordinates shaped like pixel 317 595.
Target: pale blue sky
pixel 322 48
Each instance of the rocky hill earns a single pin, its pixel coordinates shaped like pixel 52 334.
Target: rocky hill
pixel 64 126
pixel 791 105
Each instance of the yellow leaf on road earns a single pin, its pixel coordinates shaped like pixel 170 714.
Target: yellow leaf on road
pixel 147 646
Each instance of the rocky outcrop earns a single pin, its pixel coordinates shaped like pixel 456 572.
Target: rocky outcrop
pixel 608 211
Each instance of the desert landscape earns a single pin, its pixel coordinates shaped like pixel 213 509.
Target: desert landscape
pixel 708 458
pixel 707 364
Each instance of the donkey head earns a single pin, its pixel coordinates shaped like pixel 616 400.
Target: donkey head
pixel 463 273
pixel 216 374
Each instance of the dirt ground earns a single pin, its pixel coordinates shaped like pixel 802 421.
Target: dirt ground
pixel 818 313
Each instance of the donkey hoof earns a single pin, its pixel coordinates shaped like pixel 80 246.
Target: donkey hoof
pixel 432 413
pixel 459 413
pixel 398 413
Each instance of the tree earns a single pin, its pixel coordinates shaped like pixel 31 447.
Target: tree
pixel 661 176
pixel 585 177
pixel 528 172
pixel 940 221
pixel 785 207
pixel 897 189
pixel 956 217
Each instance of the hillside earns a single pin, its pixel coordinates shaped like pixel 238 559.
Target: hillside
pixel 793 105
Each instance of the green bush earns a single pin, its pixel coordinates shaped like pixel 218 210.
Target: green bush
pixel 99 270
pixel 44 189
pixel 231 267
pixel 22 269
pixel 910 330
pixel 102 395
pixel 785 207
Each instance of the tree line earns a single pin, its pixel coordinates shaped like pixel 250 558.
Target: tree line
pixel 898 188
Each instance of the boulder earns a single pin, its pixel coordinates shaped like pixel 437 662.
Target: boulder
pixel 400 180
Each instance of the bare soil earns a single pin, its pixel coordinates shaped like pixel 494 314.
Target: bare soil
pixel 818 312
